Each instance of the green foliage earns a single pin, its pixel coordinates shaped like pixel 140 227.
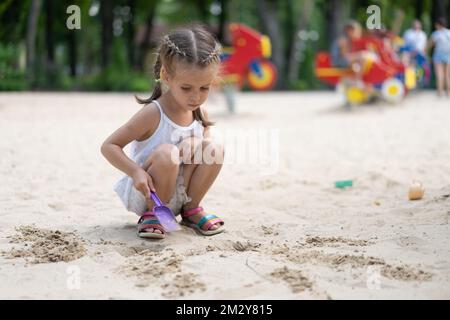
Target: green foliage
pixel 121 75
pixel 112 79
pixel 306 78
pixel 118 76
pixel 13 20
pixel 11 77
pixel 244 12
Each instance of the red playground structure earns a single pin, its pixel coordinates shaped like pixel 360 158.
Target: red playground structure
pixel 247 61
pixel 382 71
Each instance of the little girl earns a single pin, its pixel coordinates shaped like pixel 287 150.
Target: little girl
pixel 169 132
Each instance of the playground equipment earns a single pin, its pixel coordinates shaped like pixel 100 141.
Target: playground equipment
pixel 382 71
pixel 419 61
pixel 247 61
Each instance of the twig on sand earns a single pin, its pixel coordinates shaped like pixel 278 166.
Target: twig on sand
pixel 259 274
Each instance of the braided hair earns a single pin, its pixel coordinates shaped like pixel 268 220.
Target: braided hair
pixel 193 45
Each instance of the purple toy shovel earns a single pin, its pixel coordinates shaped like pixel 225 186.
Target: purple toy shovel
pixel 164 214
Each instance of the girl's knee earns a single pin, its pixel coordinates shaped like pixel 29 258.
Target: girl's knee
pixel 213 149
pixel 214 145
pixel 166 155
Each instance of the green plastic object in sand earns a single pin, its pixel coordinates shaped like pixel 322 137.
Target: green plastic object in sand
pixel 343 183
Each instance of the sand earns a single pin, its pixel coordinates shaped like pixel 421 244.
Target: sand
pixel 290 233
pixel 43 246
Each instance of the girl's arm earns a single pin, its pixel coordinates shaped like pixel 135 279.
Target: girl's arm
pixel 139 127
pixel 429 45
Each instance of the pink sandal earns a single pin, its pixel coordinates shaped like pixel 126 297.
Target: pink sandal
pixel 149 221
pixel 205 223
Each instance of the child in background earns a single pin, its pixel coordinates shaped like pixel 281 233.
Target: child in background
pixel 440 39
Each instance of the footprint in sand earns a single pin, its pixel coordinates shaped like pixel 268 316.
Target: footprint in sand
pixel 57 206
pixel 137 250
pixel 24 195
pixel 410 242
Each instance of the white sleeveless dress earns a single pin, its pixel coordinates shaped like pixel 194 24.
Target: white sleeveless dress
pixel 168 132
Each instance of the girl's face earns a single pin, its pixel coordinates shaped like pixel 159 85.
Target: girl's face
pixel 189 85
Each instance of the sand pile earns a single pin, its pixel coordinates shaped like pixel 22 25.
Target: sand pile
pixel 44 246
pixel 295 278
pixel 334 241
pixel 338 262
pixel 164 269
pixel 182 284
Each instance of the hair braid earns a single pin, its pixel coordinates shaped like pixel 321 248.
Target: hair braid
pixel 157 67
pixel 213 56
pixel 170 44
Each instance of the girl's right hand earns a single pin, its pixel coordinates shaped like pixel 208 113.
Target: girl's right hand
pixel 143 182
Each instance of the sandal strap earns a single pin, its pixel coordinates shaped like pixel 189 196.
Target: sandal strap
pixel 149 223
pixel 151 226
pixel 148 214
pixel 208 221
pixel 212 222
pixel 145 215
pixel 191 212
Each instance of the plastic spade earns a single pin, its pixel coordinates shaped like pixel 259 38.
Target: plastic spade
pixel 164 214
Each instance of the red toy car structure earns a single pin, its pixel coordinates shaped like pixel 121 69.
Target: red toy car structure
pixel 247 61
pixel 381 70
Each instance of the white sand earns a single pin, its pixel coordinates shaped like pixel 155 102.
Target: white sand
pixel 290 235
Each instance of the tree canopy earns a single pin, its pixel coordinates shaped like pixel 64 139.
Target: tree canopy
pixel 113 49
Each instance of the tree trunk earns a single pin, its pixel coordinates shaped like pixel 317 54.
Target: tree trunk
pixel 267 11
pixel 448 14
pixel 289 26
pixel 49 41
pixel 302 24
pixel 106 13
pixel 418 9
pixel 145 44
pixel 33 17
pixel 222 20
pixel 130 33
pixel 202 8
pixel 438 11
pixel 72 44
pixel 335 19
pixel 353 7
